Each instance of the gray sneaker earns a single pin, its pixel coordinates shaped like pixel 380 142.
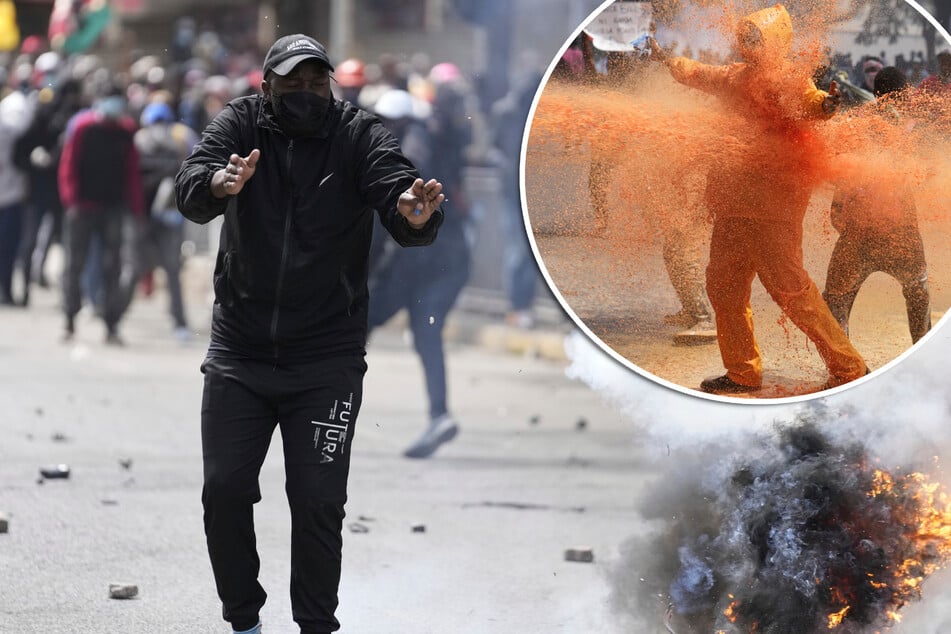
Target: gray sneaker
pixel 441 430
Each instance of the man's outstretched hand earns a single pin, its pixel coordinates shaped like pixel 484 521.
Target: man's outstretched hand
pixel 831 102
pixel 419 202
pixel 230 180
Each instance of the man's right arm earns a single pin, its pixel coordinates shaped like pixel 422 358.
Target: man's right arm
pixel 389 181
pixel 709 79
pixel 196 178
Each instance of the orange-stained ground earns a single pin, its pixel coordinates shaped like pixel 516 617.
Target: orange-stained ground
pixel 659 137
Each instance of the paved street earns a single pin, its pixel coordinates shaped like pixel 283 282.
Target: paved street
pixel 544 463
pixel 500 505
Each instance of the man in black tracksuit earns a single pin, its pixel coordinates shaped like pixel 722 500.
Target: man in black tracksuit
pixel 297 176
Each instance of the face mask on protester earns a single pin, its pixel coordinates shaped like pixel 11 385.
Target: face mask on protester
pixel 300 113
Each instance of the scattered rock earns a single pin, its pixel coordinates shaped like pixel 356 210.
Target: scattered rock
pixel 582 424
pixel 365 518
pixel 525 506
pixel 125 463
pixel 575 461
pixel 122 590
pixel 59 437
pixel 419 528
pixel 535 419
pixel 583 555
pixel 357 527
pixel 4 523
pixel 56 472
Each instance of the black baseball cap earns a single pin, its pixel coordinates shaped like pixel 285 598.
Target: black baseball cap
pixel 291 50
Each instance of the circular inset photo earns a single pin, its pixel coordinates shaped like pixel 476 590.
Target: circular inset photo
pixel 744 201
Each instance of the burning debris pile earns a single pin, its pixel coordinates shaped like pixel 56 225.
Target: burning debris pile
pixel 809 536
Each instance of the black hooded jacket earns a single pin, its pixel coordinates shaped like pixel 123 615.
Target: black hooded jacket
pixel 291 275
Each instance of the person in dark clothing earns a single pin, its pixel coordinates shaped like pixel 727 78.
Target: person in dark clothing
pixel 163 144
pixel 15 114
pixel 297 176
pixel 38 153
pixel 426 282
pixel 520 271
pixel 99 186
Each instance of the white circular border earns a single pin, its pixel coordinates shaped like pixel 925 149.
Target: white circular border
pixel 579 323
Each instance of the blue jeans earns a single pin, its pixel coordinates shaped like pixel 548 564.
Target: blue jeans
pixel 426 281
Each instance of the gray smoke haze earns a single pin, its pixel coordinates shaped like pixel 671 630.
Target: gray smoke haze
pixel 898 420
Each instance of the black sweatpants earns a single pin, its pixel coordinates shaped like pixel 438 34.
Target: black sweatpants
pixel 316 405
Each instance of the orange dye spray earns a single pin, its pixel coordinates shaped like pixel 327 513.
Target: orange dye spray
pixel 659 149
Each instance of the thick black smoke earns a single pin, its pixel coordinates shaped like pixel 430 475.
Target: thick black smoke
pixel 777 535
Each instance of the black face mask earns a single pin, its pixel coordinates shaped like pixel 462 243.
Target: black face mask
pixel 300 113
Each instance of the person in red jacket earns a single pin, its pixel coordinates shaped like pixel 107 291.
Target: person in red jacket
pixel 759 201
pixel 99 186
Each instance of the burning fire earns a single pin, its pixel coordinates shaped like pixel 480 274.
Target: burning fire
pixel 835 619
pixel 923 507
pixel 729 613
pixel 806 538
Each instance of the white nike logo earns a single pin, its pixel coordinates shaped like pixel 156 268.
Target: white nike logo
pixel 326 178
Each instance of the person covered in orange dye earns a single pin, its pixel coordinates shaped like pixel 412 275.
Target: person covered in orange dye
pixel 878 231
pixel 759 200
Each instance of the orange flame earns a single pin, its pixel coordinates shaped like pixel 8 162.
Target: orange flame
pixel 928 518
pixel 838 596
pixel 876 584
pixel 835 619
pixel 730 611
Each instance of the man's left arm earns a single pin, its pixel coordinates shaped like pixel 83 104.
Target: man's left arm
pixel 408 206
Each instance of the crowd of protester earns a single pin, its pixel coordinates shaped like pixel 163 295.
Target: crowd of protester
pixel 89 150
pixel 855 69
